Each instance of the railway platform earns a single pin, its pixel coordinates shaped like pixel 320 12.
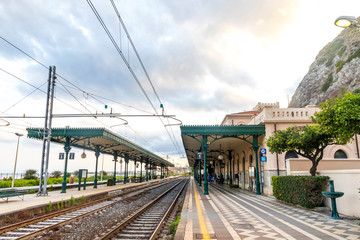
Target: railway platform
pixel 237 214
pixel 15 204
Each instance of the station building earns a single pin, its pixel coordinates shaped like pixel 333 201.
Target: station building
pixel 236 158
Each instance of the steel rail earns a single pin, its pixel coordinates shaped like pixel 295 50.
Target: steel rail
pixel 73 209
pixel 168 212
pixel 132 217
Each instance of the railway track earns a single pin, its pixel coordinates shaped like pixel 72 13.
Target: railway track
pixel 33 227
pixel 146 223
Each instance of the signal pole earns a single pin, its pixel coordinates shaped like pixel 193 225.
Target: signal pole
pixel 47 133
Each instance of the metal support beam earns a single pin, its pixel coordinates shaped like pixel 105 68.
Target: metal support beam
pixel 126 168
pixel 205 148
pixel 256 150
pixel 230 159
pixel 115 160
pixel 97 154
pixel 67 149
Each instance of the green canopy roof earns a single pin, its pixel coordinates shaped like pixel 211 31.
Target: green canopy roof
pixel 107 141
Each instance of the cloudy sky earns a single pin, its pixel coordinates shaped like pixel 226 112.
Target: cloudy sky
pixel 204 58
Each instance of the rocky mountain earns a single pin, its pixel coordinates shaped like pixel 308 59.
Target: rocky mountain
pixel 336 70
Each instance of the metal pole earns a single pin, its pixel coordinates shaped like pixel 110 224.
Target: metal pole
pixel 257 181
pixel 44 134
pixel 16 156
pixel 67 149
pixel 102 167
pixel 115 160
pixel 205 148
pixel 97 154
pixel 49 130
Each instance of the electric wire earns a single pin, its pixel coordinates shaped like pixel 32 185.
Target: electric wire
pixel 142 65
pixel 128 65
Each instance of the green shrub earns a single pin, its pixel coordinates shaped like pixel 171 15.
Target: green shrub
pixel 30 192
pixel 356 54
pixel 30 174
pixel 339 65
pixel 328 82
pixel 233 186
pixel 341 51
pixel 302 190
pixel 174 224
pixel 110 182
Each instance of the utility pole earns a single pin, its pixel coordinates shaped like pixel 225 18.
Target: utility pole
pixel 47 133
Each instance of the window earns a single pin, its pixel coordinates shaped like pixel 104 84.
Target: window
pixel 340 154
pixel 291 154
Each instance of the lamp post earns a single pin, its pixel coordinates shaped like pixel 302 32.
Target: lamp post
pixel 346 21
pixel 17 150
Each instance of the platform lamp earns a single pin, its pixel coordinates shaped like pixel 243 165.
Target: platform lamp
pixel 16 156
pixel 346 21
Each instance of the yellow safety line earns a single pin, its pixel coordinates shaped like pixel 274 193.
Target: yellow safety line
pixel 201 218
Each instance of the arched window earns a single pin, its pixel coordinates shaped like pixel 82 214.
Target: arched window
pixel 340 154
pixel 291 154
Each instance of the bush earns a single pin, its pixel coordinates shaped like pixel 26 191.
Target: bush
pixel 302 190
pixel 110 182
pixel 30 174
pixel 56 174
pixel 233 186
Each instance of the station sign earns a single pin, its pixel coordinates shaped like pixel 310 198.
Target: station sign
pixel 263 159
pixel 199 155
pixel 263 151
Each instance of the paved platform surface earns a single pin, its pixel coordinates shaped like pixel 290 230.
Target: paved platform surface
pixel 32 200
pixel 237 214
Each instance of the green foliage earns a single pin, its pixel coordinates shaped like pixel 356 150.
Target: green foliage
pixel 30 192
pixel 328 82
pixel 110 182
pixel 58 206
pixel 30 174
pixel 341 51
pixel 340 117
pixel 72 200
pixel 56 174
pixel 174 224
pixel 339 65
pixel 332 49
pixel 308 141
pixel 233 186
pixel 302 190
pixel 321 61
pixel 103 173
pixel 68 175
pixel 356 54
pixel 49 207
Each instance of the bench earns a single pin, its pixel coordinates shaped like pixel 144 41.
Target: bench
pixel 6 193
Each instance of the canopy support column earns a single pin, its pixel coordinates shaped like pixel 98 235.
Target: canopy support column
pixel 141 163
pixel 199 176
pixel 97 154
pixel 256 149
pixel 67 149
pixel 230 159
pixel 115 160
pixel 205 146
pixel 126 168
pixel 147 170
pixel 134 169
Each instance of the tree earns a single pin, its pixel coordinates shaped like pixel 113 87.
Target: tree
pixel 56 174
pixel 340 117
pixel 30 174
pixel 308 141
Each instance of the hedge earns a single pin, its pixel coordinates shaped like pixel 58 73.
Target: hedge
pixel 302 190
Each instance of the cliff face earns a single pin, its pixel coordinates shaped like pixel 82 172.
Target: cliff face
pixel 336 70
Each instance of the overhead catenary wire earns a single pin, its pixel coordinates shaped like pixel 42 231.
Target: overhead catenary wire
pixel 128 65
